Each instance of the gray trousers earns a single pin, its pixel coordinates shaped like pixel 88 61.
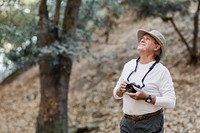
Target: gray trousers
pixel 154 124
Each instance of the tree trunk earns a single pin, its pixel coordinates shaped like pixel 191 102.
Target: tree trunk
pixel 55 74
pixel 71 15
pixel 194 55
pixel 54 89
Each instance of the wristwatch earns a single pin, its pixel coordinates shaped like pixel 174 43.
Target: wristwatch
pixel 149 99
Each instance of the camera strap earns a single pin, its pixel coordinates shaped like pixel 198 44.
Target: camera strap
pixel 143 85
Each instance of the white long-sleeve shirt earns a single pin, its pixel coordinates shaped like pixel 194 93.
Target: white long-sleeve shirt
pixel 158 82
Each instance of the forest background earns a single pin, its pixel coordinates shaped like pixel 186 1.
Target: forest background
pixel 43 43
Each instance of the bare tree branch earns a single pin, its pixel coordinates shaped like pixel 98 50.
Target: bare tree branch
pixel 178 31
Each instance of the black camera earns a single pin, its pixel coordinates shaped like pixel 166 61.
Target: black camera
pixel 129 88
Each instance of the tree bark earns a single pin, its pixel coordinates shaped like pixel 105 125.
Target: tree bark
pixel 54 89
pixel 194 55
pixel 55 74
pixel 70 18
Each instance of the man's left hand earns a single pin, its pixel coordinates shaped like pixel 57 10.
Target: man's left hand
pixel 139 95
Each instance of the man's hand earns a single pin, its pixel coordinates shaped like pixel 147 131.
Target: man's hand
pixel 139 95
pixel 122 89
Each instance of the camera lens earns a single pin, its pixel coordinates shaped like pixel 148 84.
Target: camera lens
pixel 129 88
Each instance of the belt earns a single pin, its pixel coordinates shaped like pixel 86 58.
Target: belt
pixel 141 117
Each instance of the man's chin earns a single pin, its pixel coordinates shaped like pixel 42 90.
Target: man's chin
pixel 140 47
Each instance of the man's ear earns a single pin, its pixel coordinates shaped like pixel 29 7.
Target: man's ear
pixel 157 48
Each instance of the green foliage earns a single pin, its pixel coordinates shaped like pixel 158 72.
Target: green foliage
pixel 69 47
pixel 19 29
pixel 96 13
pixel 161 8
pixel 17 23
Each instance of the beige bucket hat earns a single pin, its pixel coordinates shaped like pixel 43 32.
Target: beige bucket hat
pixel 157 36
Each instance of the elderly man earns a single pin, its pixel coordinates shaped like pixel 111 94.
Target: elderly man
pixel 145 86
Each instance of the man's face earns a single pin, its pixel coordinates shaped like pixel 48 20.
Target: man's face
pixel 148 44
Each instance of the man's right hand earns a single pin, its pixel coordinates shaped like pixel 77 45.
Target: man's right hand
pixel 122 89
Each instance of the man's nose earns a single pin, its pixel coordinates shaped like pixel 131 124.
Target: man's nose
pixel 143 39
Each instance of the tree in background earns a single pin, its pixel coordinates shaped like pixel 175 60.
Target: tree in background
pixel 166 10
pixel 62 34
pixel 55 72
pixel 58 44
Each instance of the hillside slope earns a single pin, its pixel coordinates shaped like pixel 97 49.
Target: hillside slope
pixel 91 103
